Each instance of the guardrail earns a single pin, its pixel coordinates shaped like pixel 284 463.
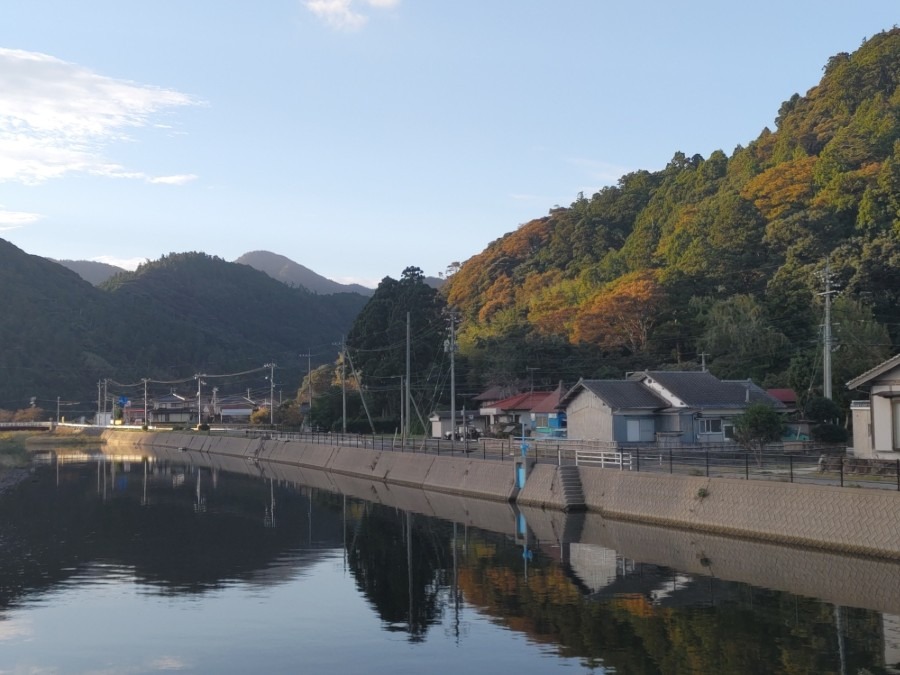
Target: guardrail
pixel 26 425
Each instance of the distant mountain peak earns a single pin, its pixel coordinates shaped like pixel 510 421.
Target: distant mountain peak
pixel 91 271
pixel 291 273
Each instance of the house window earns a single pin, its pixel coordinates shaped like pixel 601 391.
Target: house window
pixel 709 425
pixel 640 430
pixel 542 420
pixel 728 428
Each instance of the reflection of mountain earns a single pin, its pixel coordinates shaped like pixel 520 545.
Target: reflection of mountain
pixel 182 541
pixel 184 528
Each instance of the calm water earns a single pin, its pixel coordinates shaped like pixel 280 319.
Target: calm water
pixel 199 565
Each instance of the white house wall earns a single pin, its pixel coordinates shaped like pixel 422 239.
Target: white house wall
pixel 862 430
pixel 589 418
pixel 883 422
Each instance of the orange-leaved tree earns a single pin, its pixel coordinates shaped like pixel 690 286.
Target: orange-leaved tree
pixel 622 314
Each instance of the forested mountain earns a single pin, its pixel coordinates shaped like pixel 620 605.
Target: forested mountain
pixel 723 256
pixel 287 271
pixel 173 317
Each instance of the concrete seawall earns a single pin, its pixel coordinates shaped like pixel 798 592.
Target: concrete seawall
pixel 852 521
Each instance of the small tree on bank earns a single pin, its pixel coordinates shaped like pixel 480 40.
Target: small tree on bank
pixel 760 424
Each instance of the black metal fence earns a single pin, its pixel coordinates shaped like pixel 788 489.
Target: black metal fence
pixel 807 463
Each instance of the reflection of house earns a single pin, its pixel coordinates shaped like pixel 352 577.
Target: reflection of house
pixel 666 407
pixel 876 422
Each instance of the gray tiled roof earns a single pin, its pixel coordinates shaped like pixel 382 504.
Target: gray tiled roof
pixel 620 394
pixel 872 373
pixel 702 389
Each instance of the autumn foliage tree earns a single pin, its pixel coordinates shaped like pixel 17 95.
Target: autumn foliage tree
pixel 621 316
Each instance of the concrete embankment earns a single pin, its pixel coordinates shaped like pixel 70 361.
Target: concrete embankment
pixel 853 521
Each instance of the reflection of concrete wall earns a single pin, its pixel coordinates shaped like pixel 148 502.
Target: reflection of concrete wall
pixel 845 520
pixel 891 624
pixel 841 580
pixel 847 581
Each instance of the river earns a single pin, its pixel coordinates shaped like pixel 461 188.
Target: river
pixel 144 565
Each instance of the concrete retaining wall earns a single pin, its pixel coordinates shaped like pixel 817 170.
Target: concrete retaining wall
pixel 844 520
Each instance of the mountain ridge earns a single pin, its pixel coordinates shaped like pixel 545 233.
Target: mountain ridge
pixel 182 314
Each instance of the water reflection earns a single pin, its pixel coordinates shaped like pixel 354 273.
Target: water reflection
pixel 439 571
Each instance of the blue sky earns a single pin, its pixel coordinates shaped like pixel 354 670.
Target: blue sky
pixel 358 137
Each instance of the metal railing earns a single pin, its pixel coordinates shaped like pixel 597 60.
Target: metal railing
pixel 817 464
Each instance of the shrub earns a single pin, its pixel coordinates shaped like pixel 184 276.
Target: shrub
pixel 829 433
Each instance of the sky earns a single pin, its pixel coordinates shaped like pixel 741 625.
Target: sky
pixel 360 137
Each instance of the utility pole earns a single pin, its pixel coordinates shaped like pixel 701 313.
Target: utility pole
pixel 271 367
pixel 531 370
pixel 826 332
pixel 145 381
pixel 343 385
pixel 343 345
pixel 703 361
pixel 451 347
pixel 99 395
pixel 406 405
pixel 308 356
pixel 199 377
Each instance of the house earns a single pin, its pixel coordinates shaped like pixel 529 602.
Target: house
pixel 507 415
pixel 546 417
pixel 492 394
pixel 133 412
pixel 234 409
pixel 173 409
pixel 876 421
pixel 788 397
pixel 662 407
pixel 441 426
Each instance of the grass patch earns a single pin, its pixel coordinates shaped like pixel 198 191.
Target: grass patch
pixel 13 451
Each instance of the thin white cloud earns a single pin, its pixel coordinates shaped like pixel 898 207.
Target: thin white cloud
pixel 57 117
pixel 180 179
pixel 11 220
pixel 602 172
pixel 346 14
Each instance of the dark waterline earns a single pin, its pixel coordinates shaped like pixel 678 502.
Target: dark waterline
pixel 143 567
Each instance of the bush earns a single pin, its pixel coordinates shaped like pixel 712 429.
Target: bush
pixel 829 433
